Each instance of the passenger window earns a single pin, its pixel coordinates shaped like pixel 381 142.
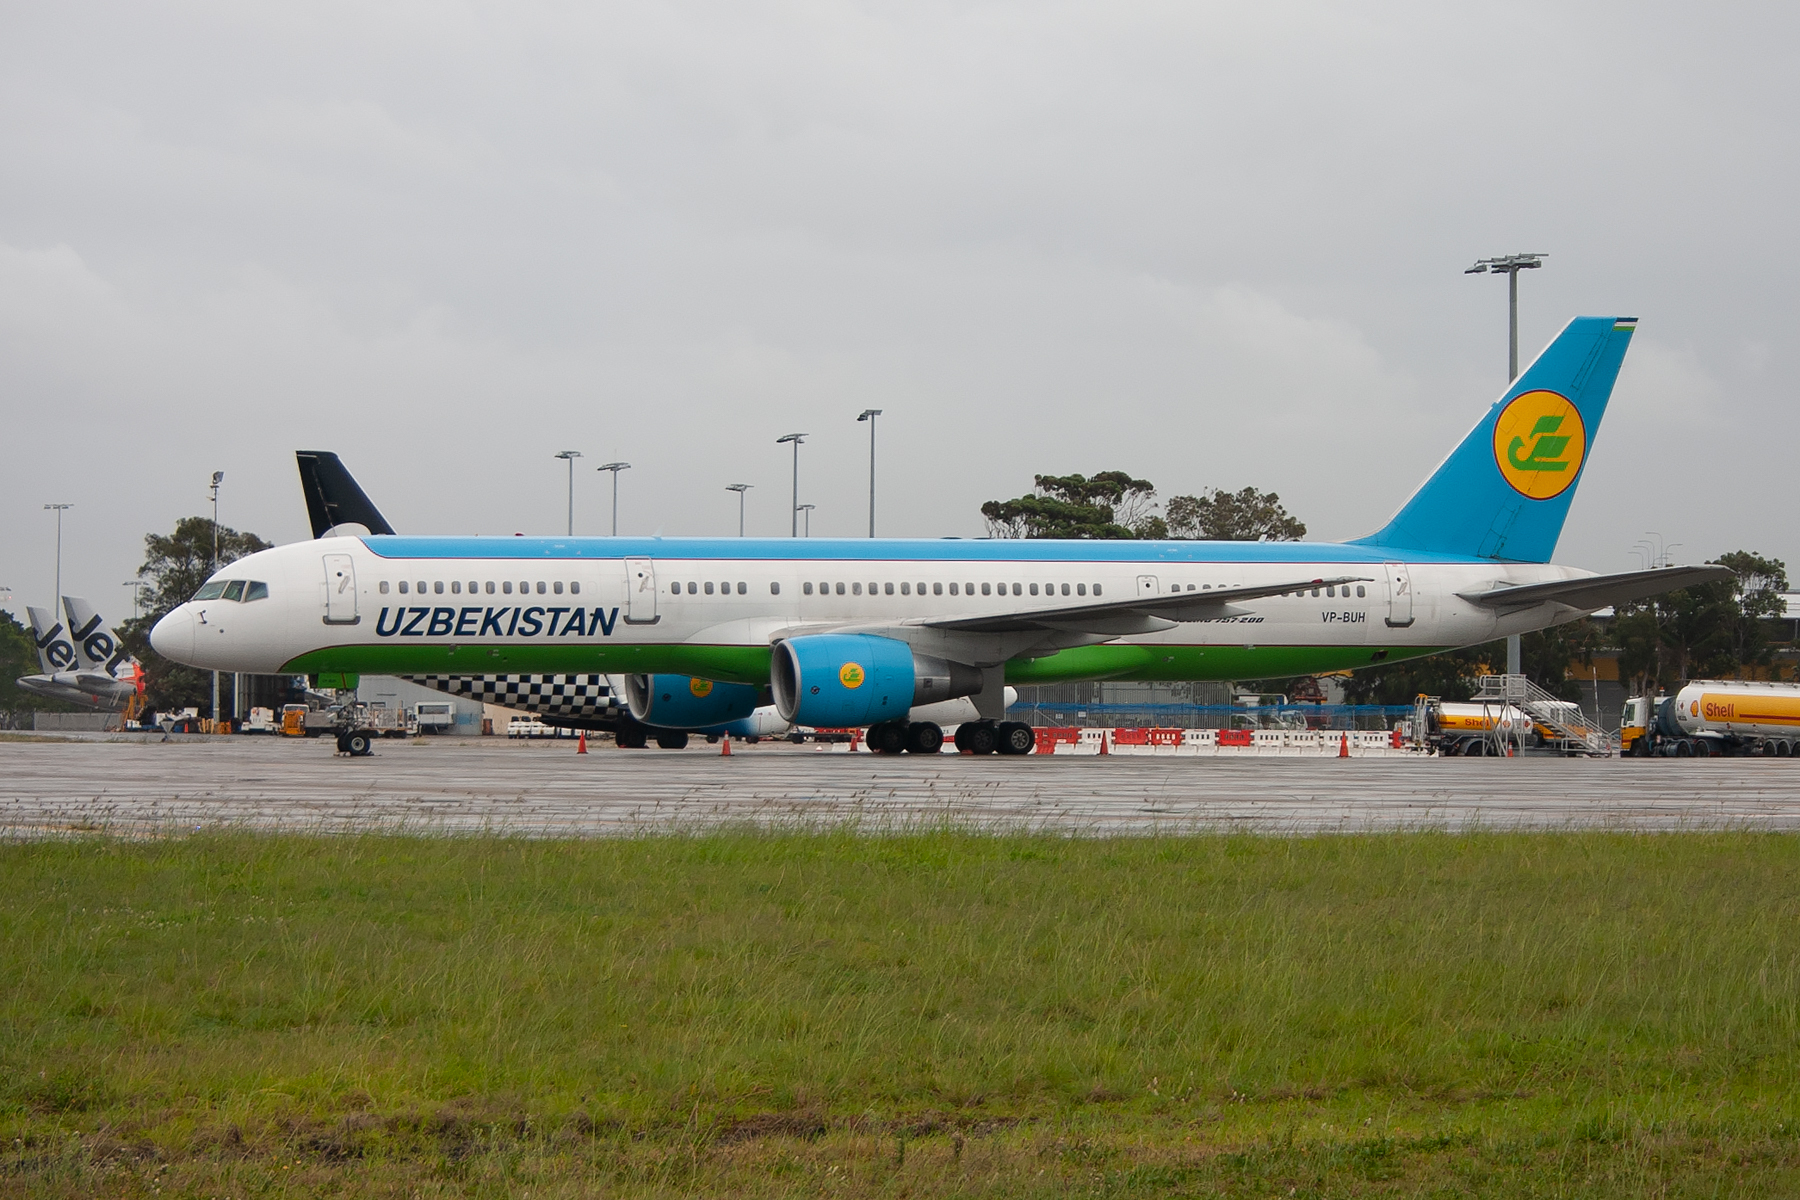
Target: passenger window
pixel 774 588
pixel 921 589
pixel 1081 589
pixel 937 589
pixel 709 587
pixel 260 591
pixel 968 589
pixel 234 590
pixel 437 588
pixel 557 587
pixel 1017 590
pixel 456 586
pixel 383 587
pixel 984 590
pixel 856 589
pixel 1034 589
pixel 490 587
pixel 840 589
pixel 1331 591
pixel 1065 589
pixel 1359 591
pixel 743 588
pixel 524 587
pixel 1315 593
pixel 1096 589
pixel 806 589
pixel 421 587
pixel 887 589
pixel 506 586
pixel 906 588
pixel 403 587
pixel 693 588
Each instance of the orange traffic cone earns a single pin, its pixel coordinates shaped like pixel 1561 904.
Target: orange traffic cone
pixel 581 746
pixel 725 746
pixel 1344 746
pixel 1103 741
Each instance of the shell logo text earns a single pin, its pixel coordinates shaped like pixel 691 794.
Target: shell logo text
pixel 851 675
pixel 700 687
pixel 1539 444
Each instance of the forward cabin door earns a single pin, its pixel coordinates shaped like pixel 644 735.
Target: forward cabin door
pixel 640 592
pixel 1400 596
pixel 340 590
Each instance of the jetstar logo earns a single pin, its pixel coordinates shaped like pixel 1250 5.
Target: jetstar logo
pixel 57 649
pixel 1539 444
pixel 475 621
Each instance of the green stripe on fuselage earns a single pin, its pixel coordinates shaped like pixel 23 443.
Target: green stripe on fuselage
pixel 750 664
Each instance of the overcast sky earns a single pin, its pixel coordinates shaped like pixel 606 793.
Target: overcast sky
pixel 1212 245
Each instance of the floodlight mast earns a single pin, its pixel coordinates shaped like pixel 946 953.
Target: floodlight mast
pixel 869 415
pixel 615 468
pixel 59 509
pixel 1510 265
pixel 808 509
pixel 740 489
pixel 570 456
pixel 796 439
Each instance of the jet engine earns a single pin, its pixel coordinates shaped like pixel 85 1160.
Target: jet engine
pixel 685 702
pixel 838 680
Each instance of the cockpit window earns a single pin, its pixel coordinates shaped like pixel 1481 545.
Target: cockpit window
pixel 256 591
pixel 234 590
pixel 211 591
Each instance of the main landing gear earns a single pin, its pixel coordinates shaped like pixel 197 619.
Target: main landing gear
pixel 990 737
pixel 911 737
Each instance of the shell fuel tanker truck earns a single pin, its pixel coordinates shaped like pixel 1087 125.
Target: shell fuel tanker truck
pixel 1712 717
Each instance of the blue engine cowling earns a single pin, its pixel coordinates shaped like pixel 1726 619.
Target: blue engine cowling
pixel 685 702
pixel 838 680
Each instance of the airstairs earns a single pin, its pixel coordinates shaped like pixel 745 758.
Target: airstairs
pixel 1570 728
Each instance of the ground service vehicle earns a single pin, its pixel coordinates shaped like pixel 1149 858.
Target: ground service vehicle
pixel 1711 717
pixel 1470 727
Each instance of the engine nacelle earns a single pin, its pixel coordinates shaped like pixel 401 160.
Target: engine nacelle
pixel 836 680
pixel 685 702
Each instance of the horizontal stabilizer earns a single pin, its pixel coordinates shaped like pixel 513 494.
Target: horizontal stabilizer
pixel 333 497
pixel 1120 617
pixel 1597 591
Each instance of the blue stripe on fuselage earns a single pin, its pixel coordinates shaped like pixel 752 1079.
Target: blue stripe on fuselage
pixel 889 549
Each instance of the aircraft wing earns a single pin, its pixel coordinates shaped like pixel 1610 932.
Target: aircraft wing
pixel 1597 591
pixel 1140 614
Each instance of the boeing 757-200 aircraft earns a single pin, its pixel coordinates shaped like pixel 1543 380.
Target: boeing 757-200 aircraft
pixel 856 633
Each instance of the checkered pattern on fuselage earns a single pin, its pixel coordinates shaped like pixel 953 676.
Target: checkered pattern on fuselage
pixel 553 695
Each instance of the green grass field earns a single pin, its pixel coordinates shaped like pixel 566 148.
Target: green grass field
pixel 936 1013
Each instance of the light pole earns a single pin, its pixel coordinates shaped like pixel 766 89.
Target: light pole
pixel 615 468
pixel 869 415
pixel 137 587
pixel 217 479
pixel 56 600
pixel 570 456
pixel 1510 265
pixel 807 509
pixel 795 438
pixel 740 489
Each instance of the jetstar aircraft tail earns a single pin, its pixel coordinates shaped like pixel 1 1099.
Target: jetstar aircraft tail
pixel 1504 492
pixel 54 649
pixel 96 646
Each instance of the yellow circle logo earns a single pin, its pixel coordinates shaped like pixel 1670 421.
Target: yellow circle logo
pixel 851 675
pixel 1539 443
pixel 700 687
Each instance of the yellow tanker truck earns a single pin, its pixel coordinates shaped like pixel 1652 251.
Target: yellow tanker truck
pixel 1711 717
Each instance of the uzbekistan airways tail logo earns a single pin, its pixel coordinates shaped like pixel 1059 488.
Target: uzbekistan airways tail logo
pixel 1539 443
pixel 851 675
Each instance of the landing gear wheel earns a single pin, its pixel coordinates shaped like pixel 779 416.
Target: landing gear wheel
pixel 978 737
pixel 672 739
pixel 889 737
pixel 343 743
pixel 629 735
pixel 1016 738
pixel 358 744
pixel 924 737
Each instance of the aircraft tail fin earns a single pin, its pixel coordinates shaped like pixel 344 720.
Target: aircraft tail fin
pixel 333 497
pixel 1504 492
pixel 97 647
pixel 55 651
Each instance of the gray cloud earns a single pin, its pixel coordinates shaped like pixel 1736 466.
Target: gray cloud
pixel 1214 245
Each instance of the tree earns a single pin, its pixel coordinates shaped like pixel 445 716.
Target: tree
pixel 1246 516
pixel 1110 505
pixel 1449 676
pixel 175 566
pixel 18 656
pixel 1708 630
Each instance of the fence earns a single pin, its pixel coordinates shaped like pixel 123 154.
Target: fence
pixel 1213 716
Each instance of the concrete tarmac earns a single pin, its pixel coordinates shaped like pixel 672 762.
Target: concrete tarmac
pixel 469 785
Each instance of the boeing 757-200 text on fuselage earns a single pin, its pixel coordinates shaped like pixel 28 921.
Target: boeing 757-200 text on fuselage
pixel 856 633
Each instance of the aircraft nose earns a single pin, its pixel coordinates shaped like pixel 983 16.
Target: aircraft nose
pixel 173 636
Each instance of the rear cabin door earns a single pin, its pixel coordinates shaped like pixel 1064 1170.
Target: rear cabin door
pixel 1147 586
pixel 340 590
pixel 1400 596
pixel 640 592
